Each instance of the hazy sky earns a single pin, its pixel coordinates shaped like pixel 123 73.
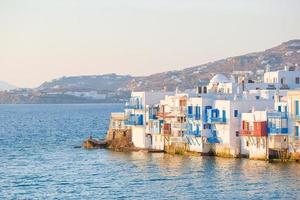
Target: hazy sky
pixel 45 39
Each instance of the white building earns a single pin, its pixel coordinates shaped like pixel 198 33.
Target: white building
pixel 254 135
pixel 283 78
pixel 227 117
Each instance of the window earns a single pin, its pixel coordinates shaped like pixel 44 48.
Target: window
pixel 257 97
pixel 207 126
pixel 199 90
pixel 297 80
pixel 197 114
pixel 279 108
pixel 204 90
pixel 236 113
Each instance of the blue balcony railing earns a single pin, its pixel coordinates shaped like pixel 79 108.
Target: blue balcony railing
pixel 152 117
pixel 133 123
pixel 134 120
pixel 280 115
pixel 190 116
pixel 216 120
pixel 278 131
pixel 133 106
pixel 193 116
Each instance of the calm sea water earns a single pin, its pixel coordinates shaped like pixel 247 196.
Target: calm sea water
pixel 38 161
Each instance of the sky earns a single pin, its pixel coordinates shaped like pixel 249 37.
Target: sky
pixel 41 40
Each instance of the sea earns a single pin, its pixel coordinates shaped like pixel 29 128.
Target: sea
pixel 39 160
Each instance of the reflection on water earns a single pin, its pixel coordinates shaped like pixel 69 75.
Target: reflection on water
pixel 215 177
pixel 38 161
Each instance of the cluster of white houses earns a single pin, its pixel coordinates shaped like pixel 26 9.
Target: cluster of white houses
pixel 229 116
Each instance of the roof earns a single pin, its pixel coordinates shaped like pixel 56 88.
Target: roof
pixel 219 78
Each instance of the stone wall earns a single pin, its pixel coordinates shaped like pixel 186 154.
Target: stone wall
pixel 119 140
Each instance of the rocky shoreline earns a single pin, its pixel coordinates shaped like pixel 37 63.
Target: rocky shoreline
pixel 120 141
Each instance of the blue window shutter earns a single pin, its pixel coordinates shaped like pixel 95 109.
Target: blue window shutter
pixel 190 110
pixel 297 131
pixel 279 108
pixel 224 115
pixel 297 107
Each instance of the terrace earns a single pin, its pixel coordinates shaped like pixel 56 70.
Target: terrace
pixel 134 103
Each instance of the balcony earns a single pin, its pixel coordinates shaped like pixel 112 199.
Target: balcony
pixel 133 123
pixel 153 117
pixel 134 120
pixel 179 125
pixel 216 120
pixel 246 132
pixel 278 115
pixel 277 131
pixel 193 117
pixel 133 106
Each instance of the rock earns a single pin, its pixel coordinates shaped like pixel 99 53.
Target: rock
pixel 91 143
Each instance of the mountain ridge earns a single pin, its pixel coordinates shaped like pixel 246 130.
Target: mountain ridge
pixel 116 88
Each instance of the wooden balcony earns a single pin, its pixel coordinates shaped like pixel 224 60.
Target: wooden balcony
pixel 246 132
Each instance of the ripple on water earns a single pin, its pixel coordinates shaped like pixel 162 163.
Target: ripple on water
pixel 38 161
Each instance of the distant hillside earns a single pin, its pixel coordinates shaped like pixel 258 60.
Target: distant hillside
pixel 288 53
pixel 109 82
pixel 6 86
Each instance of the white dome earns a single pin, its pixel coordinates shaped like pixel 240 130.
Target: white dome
pixel 219 78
